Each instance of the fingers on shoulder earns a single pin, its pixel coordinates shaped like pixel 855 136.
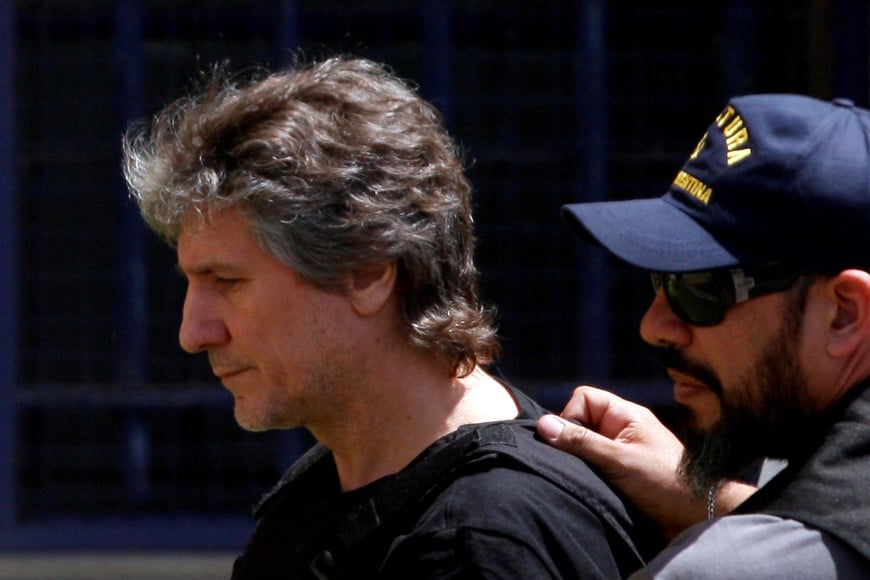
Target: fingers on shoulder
pixel 562 433
pixel 589 404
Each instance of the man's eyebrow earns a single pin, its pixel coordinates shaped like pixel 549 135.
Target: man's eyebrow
pixel 206 269
pixel 200 270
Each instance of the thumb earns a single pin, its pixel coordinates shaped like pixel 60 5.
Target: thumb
pixel 575 439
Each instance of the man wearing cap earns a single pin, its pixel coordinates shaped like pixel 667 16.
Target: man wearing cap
pixel 759 254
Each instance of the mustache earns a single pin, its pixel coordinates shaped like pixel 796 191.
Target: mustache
pixel 676 360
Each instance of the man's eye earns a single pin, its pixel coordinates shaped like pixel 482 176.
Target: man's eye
pixel 226 282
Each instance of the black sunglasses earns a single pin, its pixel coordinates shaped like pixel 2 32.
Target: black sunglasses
pixel 701 298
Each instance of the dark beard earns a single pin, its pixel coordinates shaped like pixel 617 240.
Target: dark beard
pixel 717 454
pixel 770 421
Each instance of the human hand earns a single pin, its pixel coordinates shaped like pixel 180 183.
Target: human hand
pixel 633 450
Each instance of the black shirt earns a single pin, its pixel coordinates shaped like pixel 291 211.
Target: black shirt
pixel 487 501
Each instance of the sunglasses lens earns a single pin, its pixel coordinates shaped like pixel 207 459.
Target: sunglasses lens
pixel 702 298
pixel 699 298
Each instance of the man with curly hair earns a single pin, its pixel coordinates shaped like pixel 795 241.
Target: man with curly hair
pixel 322 218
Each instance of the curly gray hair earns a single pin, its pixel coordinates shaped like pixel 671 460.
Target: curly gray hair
pixel 336 165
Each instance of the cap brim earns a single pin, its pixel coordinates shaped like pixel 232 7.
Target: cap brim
pixel 648 233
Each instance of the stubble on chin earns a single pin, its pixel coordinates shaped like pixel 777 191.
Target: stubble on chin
pixel 259 416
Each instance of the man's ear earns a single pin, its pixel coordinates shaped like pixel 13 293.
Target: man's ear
pixel 850 326
pixel 370 286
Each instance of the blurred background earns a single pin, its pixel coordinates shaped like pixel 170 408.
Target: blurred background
pixel 113 439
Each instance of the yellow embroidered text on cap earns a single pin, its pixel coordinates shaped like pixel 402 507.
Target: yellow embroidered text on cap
pixel 736 134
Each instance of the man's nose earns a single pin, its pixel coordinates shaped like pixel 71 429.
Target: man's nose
pixel 661 327
pixel 201 325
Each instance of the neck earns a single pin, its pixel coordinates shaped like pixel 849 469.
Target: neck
pixel 387 426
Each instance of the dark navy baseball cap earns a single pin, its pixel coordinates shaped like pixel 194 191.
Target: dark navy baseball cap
pixel 775 177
